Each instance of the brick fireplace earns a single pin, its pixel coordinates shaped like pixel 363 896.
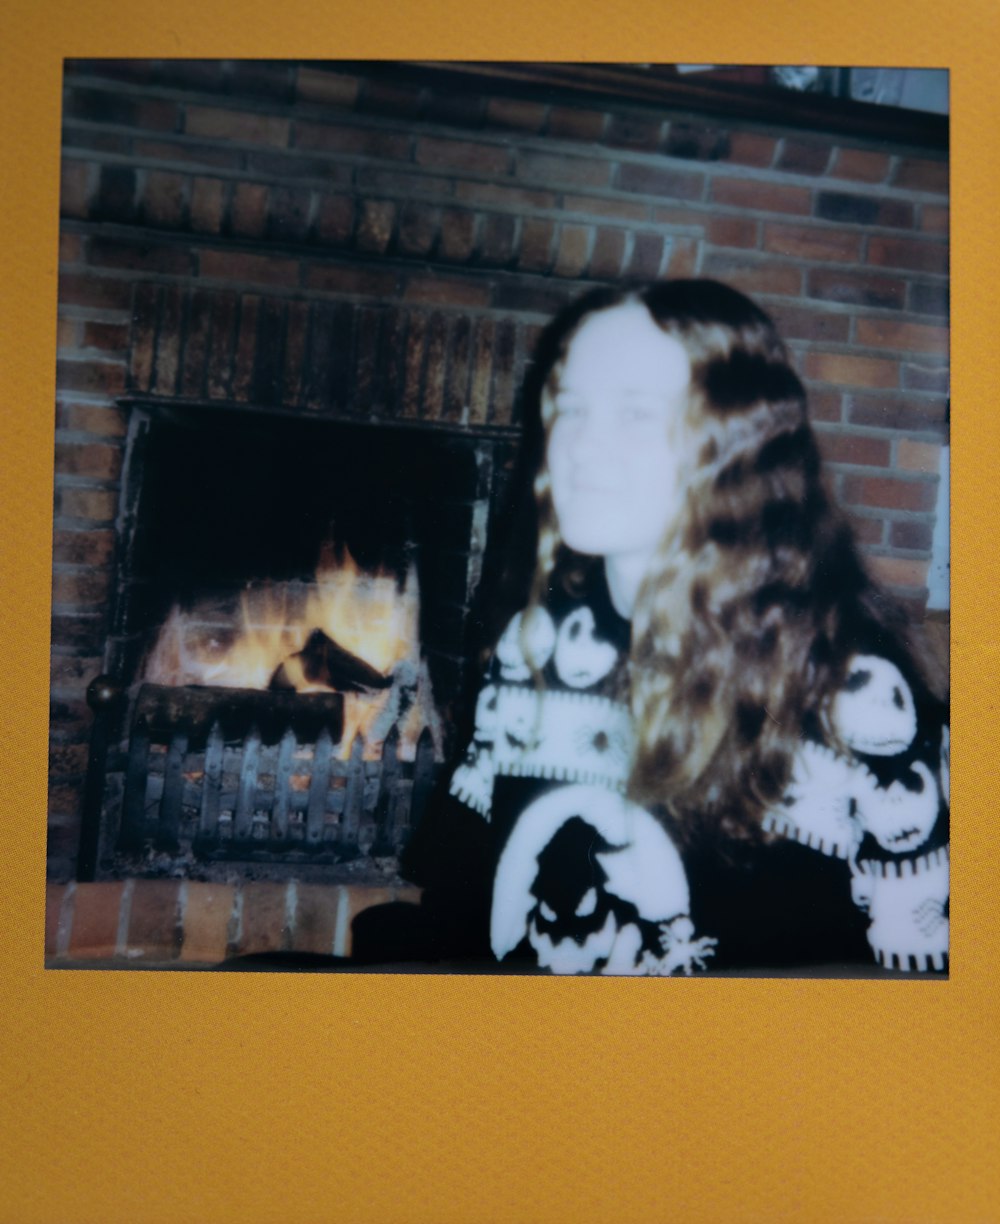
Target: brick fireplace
pixel 346 267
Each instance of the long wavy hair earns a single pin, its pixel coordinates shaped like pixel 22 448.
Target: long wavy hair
pixel 756 599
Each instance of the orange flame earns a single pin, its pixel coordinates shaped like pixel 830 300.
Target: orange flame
pixel 366 614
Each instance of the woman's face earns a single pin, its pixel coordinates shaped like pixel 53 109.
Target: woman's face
pixel 617 472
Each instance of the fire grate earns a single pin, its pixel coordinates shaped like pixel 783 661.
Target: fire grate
pixel 231 774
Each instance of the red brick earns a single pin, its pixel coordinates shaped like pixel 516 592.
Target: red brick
pixel 413 365
pixel 290 214
pixel 95 920
pixel 693 142
pixel 573 171
pixel 388 98
pixel 83 547
pixel 646 179
pixel 608 253
pixel 867 530
pixel 751 149
pixel 863 165
pixel 68 760
pixel 121 109
pixel 464 155
pixel 82 631
pixel 116 194
pixel 397 183
pixel 934 218
pixel 247 127
pixel 89 289
pixel 207 912
pixel 929 298
pixel 573 123
pixel 90 377
pixel 80 590
pixel 55 894
pixel 168 343
pixel 418 227
pixel 683 257
pixel 920 174
pixel 632 130
pixel 804 157
pixel 163 198
pixel 296 334
pixel 825 405
pixel 252 78
pixel 188 151
pixel 646 257
pixel 497 232
pixel 855 288
pixel 915 456
pixel 812 242
pixel 732 231
pixel 857 209
pixel 433 385
pixel 316 917
pixel 761 195
pixel 454 108
pixel 153 927
pixel 248 211
pixel 799 323
pixel 67 335
pixel 108 337
pixel 375 225
pixel 357 141
pixel 456 396
pixel 885 491
pixel 471 192
pixel 449 291
pixel 328 88
pixel 854 448
pixel 894 412
pixel 618 209
pixel 688 218
pixel 70 248
pixel 74 672
pixel 516 113
pixel 899 571
pixel 894 334
pixel 90 505
pixel 263 926
pixel 240 266
pixel 573 250
pixel 335 278
pixel 763 276
pixel 246 346
pixel 65 796
pixel 482 369
pixel 926 378
pixel 75 188
pixel 852 371
pixel 138 256
pixel 335 219
pixel 914 534
pixel 908 253
pixel 458 235
pixel 207 196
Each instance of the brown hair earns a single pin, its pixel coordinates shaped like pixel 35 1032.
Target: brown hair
pixel 757 598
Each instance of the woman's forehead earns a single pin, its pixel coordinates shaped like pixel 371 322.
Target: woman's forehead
pixel 623 347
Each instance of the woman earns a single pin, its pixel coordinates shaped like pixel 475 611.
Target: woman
pixel 705 741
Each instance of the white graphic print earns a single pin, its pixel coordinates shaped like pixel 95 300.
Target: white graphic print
pixel 638 867
pixel 581 658
pixel 531 632
pixel 898 817
pixel 908 905
pixel 874 711
pixel 816 809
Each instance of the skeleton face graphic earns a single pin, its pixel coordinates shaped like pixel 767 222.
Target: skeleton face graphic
pixel 581 658
pixel 535 635
pixel 874 711
pixel 900 816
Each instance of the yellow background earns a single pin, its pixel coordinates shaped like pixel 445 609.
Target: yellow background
pixel 173 1097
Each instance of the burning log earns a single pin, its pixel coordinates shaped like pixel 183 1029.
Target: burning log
pixel 322 663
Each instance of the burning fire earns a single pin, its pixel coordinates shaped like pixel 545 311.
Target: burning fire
pixel 366 615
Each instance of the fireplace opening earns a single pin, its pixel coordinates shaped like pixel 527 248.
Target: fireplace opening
pixel 290 636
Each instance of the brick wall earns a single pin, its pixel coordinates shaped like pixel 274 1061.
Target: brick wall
pixel 353 244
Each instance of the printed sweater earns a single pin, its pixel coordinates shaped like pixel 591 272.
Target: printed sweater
pixel 855 868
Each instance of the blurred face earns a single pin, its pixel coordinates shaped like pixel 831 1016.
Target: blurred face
pixel 618 475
